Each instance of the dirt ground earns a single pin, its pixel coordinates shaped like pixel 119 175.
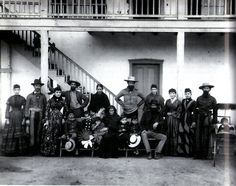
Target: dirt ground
pixel 121 171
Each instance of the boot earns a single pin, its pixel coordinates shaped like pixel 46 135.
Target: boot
pixel 149 155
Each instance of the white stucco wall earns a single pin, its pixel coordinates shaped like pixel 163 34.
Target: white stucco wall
pixel 106 56
pixel 208 58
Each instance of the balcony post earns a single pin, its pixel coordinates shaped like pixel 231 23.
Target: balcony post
pixel 180 62
pixel 5 78
pixel 44 59
pixel 44 8
pixel 181 9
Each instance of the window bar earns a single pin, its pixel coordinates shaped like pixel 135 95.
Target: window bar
pixel 60 7
pixel 153 7
pixel 231 7
pixel 67 6
pixel 214 7
pixel 130 6
pixel 147 7
pixel 159 7
pixel 136 7
pixel 78 8
pixel 3 6
pixel 73 7
pixel 84 7
pixel 102 7
pixel 90 7
pixel 197 7
pixel 96 7
pixel 142 7
pixel 225 7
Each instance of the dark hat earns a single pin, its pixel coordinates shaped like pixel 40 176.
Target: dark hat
pixel 58 88
pixel 172 90
pixel 206 85
pixel 131 78
pixel 16 86
pixel 187 90
pixel 37 82
pixel 72 81
pixel 153 86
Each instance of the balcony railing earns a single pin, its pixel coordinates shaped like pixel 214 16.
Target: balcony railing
pixel 119 9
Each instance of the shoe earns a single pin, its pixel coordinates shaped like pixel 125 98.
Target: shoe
pixel 157 156
pixel 149 155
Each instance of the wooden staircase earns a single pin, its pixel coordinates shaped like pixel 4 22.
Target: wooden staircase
pixel 62 68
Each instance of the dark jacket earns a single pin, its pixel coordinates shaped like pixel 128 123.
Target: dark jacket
pixel 82 99
pixel 149 118
pixel 33 100
pixel 99 101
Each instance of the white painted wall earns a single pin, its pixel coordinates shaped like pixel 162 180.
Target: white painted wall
pixel 106 56
pixel 208 58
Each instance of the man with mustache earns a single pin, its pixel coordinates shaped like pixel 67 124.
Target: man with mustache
pixel 131 101
pixel 75 100
pixel 205 107
pixel 34 113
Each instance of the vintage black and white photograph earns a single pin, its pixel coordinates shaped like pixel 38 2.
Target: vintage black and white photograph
pixel 118 92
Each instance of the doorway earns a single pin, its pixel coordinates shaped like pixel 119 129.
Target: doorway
pixel 147 72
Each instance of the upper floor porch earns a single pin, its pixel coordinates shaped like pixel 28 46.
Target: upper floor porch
pixel 119 15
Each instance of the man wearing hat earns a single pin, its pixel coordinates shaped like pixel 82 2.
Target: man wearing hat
pixel 131 103
pixel 205 106
pixel 151 126
pixel 34 113
pixel 153 95
pixel 76 101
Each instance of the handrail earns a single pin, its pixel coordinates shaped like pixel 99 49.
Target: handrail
pixel 65 66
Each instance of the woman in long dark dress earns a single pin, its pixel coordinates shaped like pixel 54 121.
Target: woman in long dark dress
pixel 186 131
pixel 14 136
pixel 109 144
pixel 173 113
pixel 53 128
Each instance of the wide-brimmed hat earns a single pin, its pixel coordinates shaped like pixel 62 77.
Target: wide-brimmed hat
pixel 131 78
pixel 134 140
pixel 73 81
pixel 37 82
pixel 206 85
pixel 70 145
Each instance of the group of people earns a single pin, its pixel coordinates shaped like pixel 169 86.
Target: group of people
pixel 35 125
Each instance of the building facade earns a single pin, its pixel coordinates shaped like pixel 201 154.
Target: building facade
pixel 175 44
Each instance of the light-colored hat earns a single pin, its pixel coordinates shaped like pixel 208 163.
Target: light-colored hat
pixel 134 140
pixel 206 85
pixel 70 145
pixel 131 78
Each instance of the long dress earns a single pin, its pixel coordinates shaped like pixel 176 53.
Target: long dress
pixel 51 133
pixel 186 133
pixel 14 136
pixel 109 144
pixel 173 113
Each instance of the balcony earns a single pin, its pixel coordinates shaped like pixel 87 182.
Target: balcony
pixel 119 9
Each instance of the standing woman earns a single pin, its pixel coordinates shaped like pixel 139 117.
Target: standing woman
pixel 186 130
pixel 53 126
pixel 98 100
pixel 172 113
pixel 14 136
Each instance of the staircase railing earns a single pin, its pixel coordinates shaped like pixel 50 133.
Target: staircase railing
pixel 67 68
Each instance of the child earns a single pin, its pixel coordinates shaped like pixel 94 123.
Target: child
pixel 98 129
pixel 71 127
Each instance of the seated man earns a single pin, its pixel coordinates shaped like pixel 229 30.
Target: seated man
pixel 151 124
